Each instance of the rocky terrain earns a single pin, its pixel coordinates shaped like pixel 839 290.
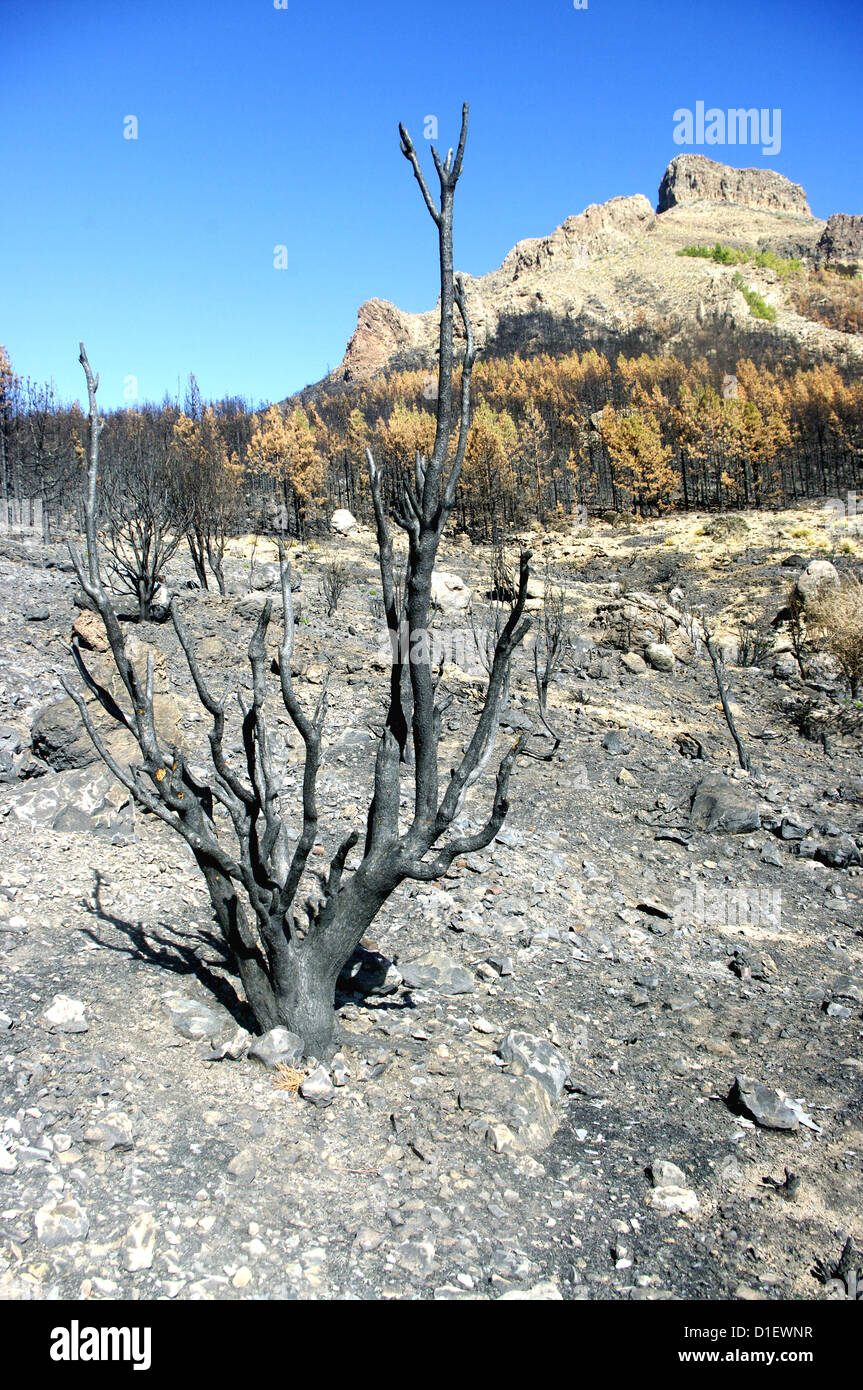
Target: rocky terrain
pixel 611 278
pixel 615 1056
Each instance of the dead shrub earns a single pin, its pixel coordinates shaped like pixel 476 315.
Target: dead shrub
pixel 837 619
pixel 334 582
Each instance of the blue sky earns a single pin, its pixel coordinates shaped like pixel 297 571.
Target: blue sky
pixel 260 127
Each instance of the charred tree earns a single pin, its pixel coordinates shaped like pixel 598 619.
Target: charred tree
pixel 716 662
pixel 288 960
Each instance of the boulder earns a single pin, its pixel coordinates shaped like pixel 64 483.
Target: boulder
pixel 670 1193
pixel 89 629
pixel 193 1019
pixel 343 522
pixel 58 734
pixel 818 576
pixel 65 1015
pixel 514 1113
pixel 546 1292
pixel 449 593
pixel 536 1057
pixel 535 599
pixel 265 577
pixel 318 1087
pixel 83 800
pixel 660 656
pixel 368 972
pixel 767 1108
pixel 617 743
pixel 639 619
pixel 277 1047
pixel 719 805
pixel 785 667
pixel 251 605
pixel 60 739
pixel 125 605
pixel 61 1221
pixel 436 971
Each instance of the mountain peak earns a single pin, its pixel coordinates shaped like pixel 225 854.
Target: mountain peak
pixel 612 278
pixel 692 177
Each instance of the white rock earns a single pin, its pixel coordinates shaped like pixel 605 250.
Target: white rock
pixel 343 522
pixel 665 1174
pixel 139 1243
pixel 61 1222
pixel 449 591
pixel 674 1199
pixel 546 1292
pixel 818 576
pixel 66 1015
pixel 660 656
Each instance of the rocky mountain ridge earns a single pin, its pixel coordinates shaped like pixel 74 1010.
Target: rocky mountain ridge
pixel 611 278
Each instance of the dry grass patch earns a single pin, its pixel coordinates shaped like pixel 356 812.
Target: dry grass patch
pixel 287 1078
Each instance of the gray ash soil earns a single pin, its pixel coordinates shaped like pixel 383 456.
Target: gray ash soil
pixel 394 1190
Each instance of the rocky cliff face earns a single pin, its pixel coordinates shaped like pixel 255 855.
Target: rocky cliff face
pixel 841 241
pixel 692 177
pixel 611 278
pixel 382 331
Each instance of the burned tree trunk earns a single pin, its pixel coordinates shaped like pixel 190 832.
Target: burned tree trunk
pixel 233 822
pixel 716 662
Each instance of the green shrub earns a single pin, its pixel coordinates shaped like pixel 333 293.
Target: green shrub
pixel 731 255
pixel 758 306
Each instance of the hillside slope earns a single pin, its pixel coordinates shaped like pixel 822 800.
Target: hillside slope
pixel 611 278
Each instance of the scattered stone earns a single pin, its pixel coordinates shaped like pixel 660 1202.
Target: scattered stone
pixel 785 666
pixel 417 1258
pixel 691 747
pixel 660 656
pixel 654 908
pixel 112 1131
pixel 369 972
pixel 672 1198
pixel 234 1047
pixel 532 1056
pixel 762 1105
pixel 665 1174
pixel 66 1015
pixel 61 1222
pixel 434 971
pixel 139 1243
pixel 277 1047
pixel 516 1111
pixel 192 1019
pixel 318 1087
pixel 545 1292
pixel 719 805
pixel 243 1166
pixel 729 1171
pixel 502 964
pixel 835 1010
pixel 339 1070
